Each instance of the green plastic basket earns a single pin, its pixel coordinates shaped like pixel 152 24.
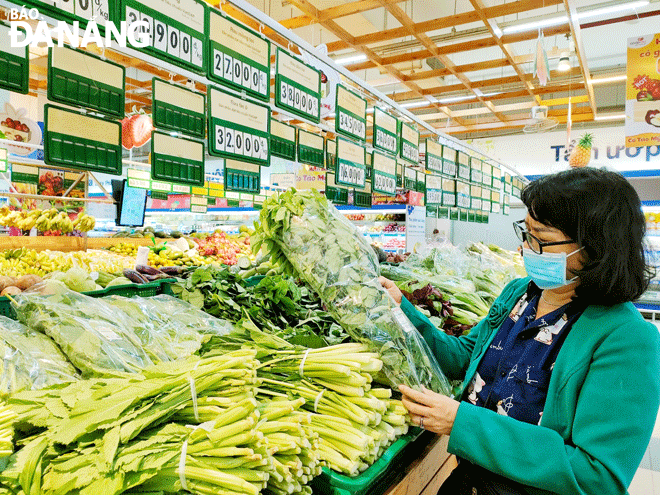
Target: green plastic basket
pixel 380 475
pixel 144 290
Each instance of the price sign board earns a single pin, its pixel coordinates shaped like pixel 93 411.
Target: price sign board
pixel 81 142
pixel 238 56
pixel 454 214
pixel 475 197
pixel 476 175
pixel 297 87
pixel 449 167
pixel 178 109
pixel 175 159
pixel 410 179
pixel 434 191
pixel 400 172
pixel 495 201
pixel 486 174
pixel 505 204
pixel 409 143
pixel 434 156
pixel 463 160
pixel 198 204
pixel 282 140
pixel 485 199
pixel 331 154
pixel 507 183
pixel 362 196
pixel 176 32
pixel 238 128
pixel 81 79
pixel 242 176
pixel 335 193
pixel 311 148
pixel 462 194
pixel 420 185
pixel 386 136
pixel 351 167
pixel 76 10
pixel 448 192
pixel 3 160
pixel 351 114
pixel 141 179
pixel 497 177
pixel 384 174
pixel 14 64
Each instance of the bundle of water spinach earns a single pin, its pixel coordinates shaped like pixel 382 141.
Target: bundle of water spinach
pixel 302 229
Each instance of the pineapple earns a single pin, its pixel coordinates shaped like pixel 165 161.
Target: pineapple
pixel 581 154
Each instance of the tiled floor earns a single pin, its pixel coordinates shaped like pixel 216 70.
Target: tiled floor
pixel 647 478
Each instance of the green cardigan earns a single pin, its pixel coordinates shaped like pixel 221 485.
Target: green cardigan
pixel 601 406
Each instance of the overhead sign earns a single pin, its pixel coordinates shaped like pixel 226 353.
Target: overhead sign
pixel 311 148
pixel 330 154
pixel 282 140
pixel 239 57
pixel 486 174
pixel 410 179
pixel 643 91
pixel 351 169
pixel 333 191
pixel 434 190
pixel 434 160
pixel 242 176
pixel 14 64
pixel 238 128
pixel 475 196
pixel 82 79
pixel 76 10
pixel 351 114
pixel 485 199
pixel 297 87
pixel 81 142
pixel 175 159
pixel 409 146
pixel 385 131
pixel 463 165
pixel 497 177
pixel 362 195
pixel 384 174
pixel 177 30
pixel 178 109
pixel 462 194
pixel 476 176
pixel 495 201
pixel 448 192
pixel 449 167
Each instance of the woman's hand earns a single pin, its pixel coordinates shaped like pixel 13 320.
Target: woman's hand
pixel 392 289
pixel 431 411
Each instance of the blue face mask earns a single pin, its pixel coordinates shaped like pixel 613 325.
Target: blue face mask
pixel 547 270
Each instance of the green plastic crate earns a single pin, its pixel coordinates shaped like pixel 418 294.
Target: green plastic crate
pixel 143 290
pixel 380 475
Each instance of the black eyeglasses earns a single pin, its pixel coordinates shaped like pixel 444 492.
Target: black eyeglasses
pixel 534 244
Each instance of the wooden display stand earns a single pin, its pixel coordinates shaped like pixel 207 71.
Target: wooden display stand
pixel 67 244
pixel 425 475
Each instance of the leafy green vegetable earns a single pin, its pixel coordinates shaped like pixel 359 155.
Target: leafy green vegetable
pixel 335 260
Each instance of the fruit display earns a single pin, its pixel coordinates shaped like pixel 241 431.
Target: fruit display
pixel 225 248
pixel 46 221
pixel 394 227
pixel 581 154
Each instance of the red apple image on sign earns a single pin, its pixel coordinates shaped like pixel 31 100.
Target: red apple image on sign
pixel 136 130
pixel 17 127
pixel 653 118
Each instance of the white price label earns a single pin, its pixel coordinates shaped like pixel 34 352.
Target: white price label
pixel 384 183
pixel 351 174
pixel 433 196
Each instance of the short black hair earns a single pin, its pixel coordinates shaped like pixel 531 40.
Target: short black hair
pixel 602 213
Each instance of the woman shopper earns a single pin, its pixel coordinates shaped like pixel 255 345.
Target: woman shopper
pixel 562 378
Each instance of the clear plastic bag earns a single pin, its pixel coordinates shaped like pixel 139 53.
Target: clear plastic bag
pixel 94 336
pixel 30 360
pixel 339 264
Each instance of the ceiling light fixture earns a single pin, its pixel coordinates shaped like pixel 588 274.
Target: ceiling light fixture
pixel 614 116
pixel 351 59
pixel 604 80
pixel 563 19
pixel 415 104
pixel 564 64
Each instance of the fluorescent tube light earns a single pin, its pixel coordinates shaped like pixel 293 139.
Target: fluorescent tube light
pixel 530 26
pixel 351 59
pixel 612 8
pixel 615 116
pixel 415 104
pixel 603 80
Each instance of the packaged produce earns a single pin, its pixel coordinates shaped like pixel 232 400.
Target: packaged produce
pixel 30 360
pixel 340 265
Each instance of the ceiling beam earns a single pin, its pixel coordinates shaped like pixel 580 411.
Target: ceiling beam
pixel 574 23
pixel 513 124
pixel 306 7
pixel 446 22
pixel 429 74
pixel 461 47
pixel 335 12
pixel 407 22
pixel 479 7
